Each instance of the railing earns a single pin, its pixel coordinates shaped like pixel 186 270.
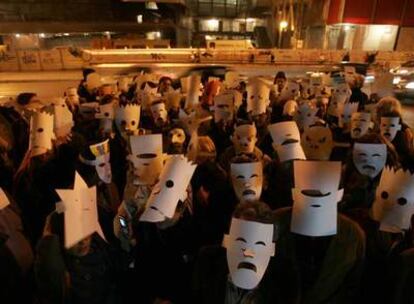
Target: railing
pixel 62 59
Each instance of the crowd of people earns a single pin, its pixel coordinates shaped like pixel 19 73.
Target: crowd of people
pixel 204 189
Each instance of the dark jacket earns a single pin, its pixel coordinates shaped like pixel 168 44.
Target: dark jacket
pixel 329 268
pixel 211 281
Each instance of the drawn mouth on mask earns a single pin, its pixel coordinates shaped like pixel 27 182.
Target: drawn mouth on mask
pixel 247 265
pixel 249 192
pixel 387 134
pixel 357 130
pixel 368 167
pixel 315 193
pixel 290 141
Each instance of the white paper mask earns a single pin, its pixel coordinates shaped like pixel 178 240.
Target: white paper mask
pixel 389 127
pixel 360 124
pixel 383 85
pixel 394 203
pixel 317 143
pixel 147 158
pixel 159 112
pixel 123 84
pixel 290 91
pixel 4 200
pixel 93 81
pixel 244 138
pixel 102 164
pixel 345 111
pixel 223 107
pixel 315 198
pixel 63 118
pixel 286 140
pixel 127 118
pixel 231 80
pixel 350 73
pixel 41 133
pixel 369 159
pixel 106 111
pixel 305 115
pixel 72 95
pixel 173 100
pixel 247 179
pixel 340 95
pixel 249 247
pixel 147 95
pixel 290 108
pixel 171 188
pixel 81 213
pixel 257 97
pixel 193 93
pixel 192 121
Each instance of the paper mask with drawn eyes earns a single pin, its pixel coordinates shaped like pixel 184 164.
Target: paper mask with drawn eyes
pixel 317 143
pixel 171 188
pixel 290 91
pixel 127 118
pixel 340 95
pixel 315 198
pixel 369 159
pixel 224 107
pixel 147 158
pixel 63 118
pixel 249 246
pixel 345 111
pixel 106 111
pixel 102 161
pixel 305 115
pixel 286 140
pixel 394 203
pixel 244 138
pixel 159 112
pixel 360 124
pixel 247 180
pixel 257 97
pixel 81 212
pixel 41 133
pixel 389 127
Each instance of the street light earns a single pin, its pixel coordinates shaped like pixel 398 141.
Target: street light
pixel 283 24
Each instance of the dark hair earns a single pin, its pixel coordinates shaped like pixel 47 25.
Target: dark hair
pixel 108 99
pixel 243 158
pixel 280 74
pixel 254 211
pixel 23 99
pixel 165 78
pixel 86 72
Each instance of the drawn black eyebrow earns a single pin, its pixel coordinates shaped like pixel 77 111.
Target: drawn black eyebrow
pixel 239 176
pixel 376 154
pixel 260 243
pixel 362 154
pixel 254 175
pixel 241 239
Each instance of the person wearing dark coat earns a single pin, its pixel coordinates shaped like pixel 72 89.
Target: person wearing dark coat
pixel 213 281
pixel 83 274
